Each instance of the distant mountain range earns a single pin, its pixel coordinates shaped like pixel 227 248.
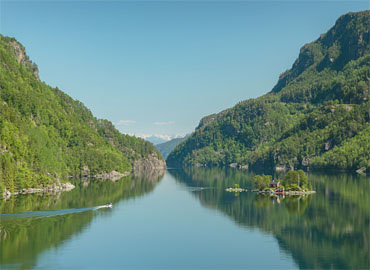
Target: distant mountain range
pixel 155 140
pixel 158 138
pixel 317 114
pixel 166 147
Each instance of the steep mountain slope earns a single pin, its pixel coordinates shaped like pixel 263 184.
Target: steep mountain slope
pixel 317 115
pixel 45 135
pixel 166 147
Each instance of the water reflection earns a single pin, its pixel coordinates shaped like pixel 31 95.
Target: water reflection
pixel 52 219
pixel 327 230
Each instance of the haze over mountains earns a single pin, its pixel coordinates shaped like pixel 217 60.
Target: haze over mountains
pixel 166 148
pixel 158 138
pixel 317 115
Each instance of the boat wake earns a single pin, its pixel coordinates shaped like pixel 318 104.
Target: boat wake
pixel 197 188
pixel 50 213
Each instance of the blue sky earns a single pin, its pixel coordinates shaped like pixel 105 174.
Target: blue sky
pixel 158 67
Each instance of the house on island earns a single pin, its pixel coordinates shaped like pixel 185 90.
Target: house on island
pixel 274 184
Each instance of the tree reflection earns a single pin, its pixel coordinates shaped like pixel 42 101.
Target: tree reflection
pixel 22 240
pixel 329 229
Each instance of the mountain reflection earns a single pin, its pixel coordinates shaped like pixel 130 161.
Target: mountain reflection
pixel 329 229
pixel 23 239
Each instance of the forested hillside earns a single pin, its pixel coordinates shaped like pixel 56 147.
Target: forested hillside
pixel 46 136
pixel 317 115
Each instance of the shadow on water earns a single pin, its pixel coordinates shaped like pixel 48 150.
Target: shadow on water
pixel 30 224
pixel 329 229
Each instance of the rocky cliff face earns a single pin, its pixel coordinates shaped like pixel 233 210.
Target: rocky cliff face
pixel 153 165
pixel 22 58
pixel 347 40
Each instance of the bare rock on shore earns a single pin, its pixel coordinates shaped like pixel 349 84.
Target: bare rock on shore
pixel 149 166
pixel 50 189
pixel 361 171
pixel 230 189
pixel 113 175
pixel 68 186
pixel 6 194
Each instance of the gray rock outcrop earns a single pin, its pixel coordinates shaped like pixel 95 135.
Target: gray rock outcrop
pixel 149 166
pixel 22 58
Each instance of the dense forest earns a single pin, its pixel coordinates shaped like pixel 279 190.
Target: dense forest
pixel 317 115
pixel 46 136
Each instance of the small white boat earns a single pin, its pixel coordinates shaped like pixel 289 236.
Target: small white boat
pixel 109 205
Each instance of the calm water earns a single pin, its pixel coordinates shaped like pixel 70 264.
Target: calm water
pixel 187 220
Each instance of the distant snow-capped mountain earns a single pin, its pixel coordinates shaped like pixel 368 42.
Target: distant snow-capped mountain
pixel 159 138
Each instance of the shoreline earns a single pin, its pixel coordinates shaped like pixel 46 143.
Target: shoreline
pixel 50 189
pixel 270 192
pixel 230 189
pixel 113 176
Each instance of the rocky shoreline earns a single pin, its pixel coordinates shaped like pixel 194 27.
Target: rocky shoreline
pixel 50 189
pixel 271 192
pixel 142 167
pixel 230 189
pixel 151 164
pixel 113 175
pixel 290 192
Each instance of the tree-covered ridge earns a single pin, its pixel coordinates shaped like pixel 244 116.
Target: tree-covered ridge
pixel 316 115
pixel 46 136
pixel 347 40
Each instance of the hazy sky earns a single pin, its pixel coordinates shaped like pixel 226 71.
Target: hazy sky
pixel 158 67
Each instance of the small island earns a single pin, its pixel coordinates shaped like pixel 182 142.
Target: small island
pixel 236 188
pixel 294 183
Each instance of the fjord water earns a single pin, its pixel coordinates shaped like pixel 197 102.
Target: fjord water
pixel 187 220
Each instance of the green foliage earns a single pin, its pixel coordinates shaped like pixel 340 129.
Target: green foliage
pixel 262 181
pixel 46 136
pixel 294 180
pixel 353 153
pixel 317 114
pixel 2 188
pixel 294 187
